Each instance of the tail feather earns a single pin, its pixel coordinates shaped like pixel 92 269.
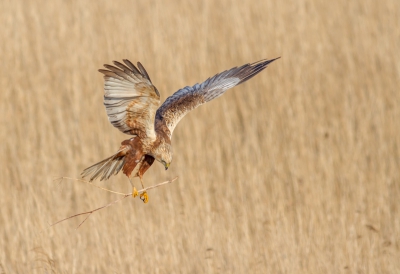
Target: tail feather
pixel 105 168
pixel 113 168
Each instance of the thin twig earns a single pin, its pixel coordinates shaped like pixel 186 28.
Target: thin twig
pixel 90 183
pixel 90 212
pixel 109 204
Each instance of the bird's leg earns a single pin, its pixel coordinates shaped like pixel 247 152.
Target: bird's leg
pixel 146 164
pixel 134 190
pixel 143 196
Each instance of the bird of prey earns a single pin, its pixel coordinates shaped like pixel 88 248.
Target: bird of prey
pixel 132 105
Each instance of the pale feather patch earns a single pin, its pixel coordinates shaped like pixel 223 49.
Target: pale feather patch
pixel 130 99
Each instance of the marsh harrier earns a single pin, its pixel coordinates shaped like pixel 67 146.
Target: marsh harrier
pixel 132 105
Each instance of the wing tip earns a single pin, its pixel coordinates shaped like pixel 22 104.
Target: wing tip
pixel 143 71
pixel 265 62
pixel 272 60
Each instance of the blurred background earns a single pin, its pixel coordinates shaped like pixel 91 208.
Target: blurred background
pixel 295 171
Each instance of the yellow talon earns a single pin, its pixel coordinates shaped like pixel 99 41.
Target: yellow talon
pixel 144 197
pixel 135 192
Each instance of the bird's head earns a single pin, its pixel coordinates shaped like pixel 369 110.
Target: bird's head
pixel 166 160
pixel 163 154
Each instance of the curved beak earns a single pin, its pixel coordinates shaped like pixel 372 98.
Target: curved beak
pixel 166 166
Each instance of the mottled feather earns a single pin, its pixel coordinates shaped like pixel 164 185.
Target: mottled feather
pixel 186 99
pixel 131 100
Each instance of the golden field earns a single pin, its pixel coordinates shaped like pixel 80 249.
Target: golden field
pixel 295 171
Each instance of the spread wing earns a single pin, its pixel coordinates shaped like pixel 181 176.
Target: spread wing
pixel 184 100
pixel 130 99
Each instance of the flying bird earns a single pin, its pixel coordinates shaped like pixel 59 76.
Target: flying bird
pixel 132 105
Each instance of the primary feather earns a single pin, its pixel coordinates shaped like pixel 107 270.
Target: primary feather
pixel 186 99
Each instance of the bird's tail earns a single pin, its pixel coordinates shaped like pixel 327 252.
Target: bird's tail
pixel 110 166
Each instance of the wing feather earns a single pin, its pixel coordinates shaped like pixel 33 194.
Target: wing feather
pixel 131 66
pixel 122 66
pixel 186 99
pixel 131 100
pixel 143 71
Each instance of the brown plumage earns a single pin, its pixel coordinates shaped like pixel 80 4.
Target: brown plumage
pixel 132 105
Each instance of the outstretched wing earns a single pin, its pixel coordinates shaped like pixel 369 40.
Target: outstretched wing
pixel 184 100
pixel 130 99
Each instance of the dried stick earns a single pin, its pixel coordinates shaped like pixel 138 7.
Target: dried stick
pixel 109 204
pixel 90 183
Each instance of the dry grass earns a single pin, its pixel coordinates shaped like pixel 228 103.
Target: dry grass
pixel 296 171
